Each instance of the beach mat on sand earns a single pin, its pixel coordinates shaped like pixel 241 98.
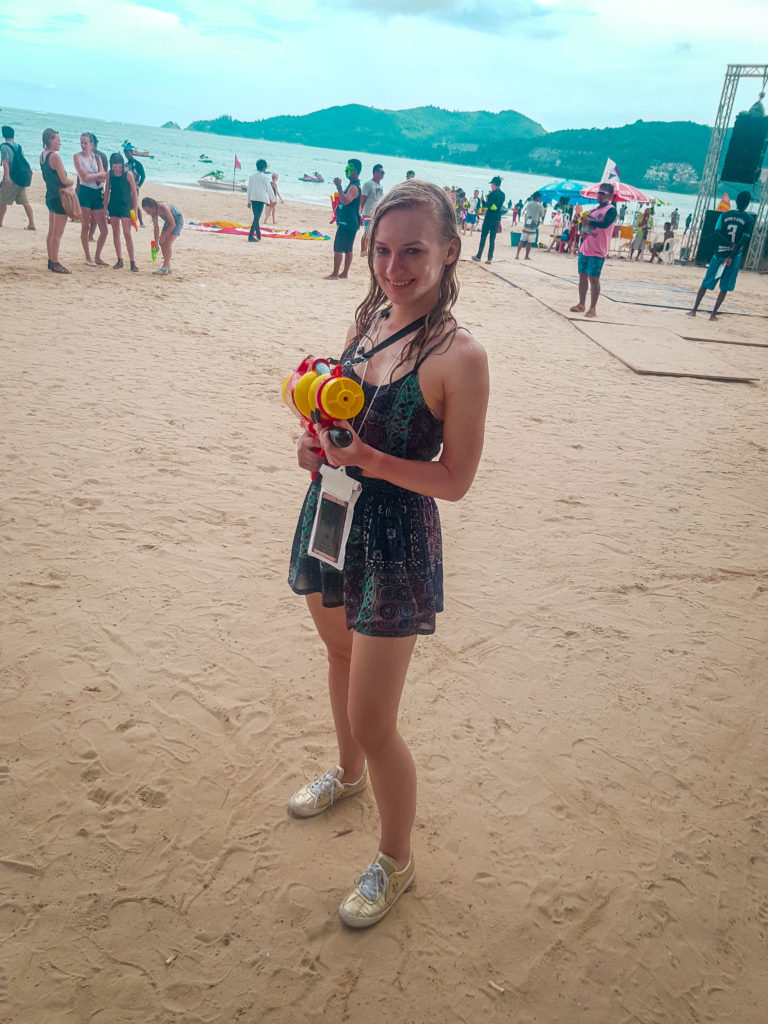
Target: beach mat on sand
pixel 661 353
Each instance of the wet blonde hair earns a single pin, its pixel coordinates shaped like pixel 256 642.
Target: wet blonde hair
pixel 439 325
pixel 48 135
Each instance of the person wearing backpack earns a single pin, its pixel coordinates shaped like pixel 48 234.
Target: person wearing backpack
pixel 17 174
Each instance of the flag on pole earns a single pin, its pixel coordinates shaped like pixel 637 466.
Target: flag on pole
pixel 238 165
pixel 611 173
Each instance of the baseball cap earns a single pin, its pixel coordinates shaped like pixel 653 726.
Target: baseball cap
pixel 495 181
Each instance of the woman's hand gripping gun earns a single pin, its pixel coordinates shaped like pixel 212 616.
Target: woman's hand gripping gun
pixel 319 395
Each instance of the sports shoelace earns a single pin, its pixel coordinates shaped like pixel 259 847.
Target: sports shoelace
pixel 327 783
pixel 373 882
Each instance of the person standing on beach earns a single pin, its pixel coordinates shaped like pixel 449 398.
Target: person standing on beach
pixel 638 242
pixel 418 437
pixel 12 191
pixel 104 162
pixel 732 234
pixel 272 208
pixel 493 212
pixel 55 178
pixel 121 199
pixel 472 208
pixel 347 220
pixel 557 229
pixel 91 176
pixel 372 194
pixel 260 194
pixel 674 218
pixel 533 214
pixel 136 167
pixel 594 249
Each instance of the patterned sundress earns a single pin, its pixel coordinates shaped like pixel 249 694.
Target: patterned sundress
pixel 392 581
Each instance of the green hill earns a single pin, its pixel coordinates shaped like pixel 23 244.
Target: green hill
pixel 651 154
pixel 426 132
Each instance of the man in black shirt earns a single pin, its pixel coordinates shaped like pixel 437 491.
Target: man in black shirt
pixel 732 234
pixel 137 170
pixel 494 208
pixel 347 219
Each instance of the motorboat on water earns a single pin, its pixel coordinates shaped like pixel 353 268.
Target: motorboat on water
pixel 217 181
pixel 128 147
pixel 317 176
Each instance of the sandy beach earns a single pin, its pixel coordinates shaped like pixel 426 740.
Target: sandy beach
pixel 588 723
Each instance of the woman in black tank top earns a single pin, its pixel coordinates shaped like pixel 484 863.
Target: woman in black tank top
pixel 418 437
pixel 121 200
pixel 55 178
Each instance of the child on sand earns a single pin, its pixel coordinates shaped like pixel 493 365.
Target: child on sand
pixel 173 222
pixel 425 381
pixel 121 199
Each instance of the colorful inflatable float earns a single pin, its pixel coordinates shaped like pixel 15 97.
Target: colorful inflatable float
pixel 231 227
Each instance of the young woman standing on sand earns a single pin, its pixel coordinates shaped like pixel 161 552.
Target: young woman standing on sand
pixel 120 198
pixel 425 381
pixel 173 222
pixel 55 178
pixel 272 208
pixel 91 175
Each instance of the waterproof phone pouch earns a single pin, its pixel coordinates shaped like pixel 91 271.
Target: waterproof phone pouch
pixel 333 516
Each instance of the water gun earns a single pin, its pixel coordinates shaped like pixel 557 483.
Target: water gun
pixel 319 395
pixel 153 249
pixel 334 206
pixel 134 221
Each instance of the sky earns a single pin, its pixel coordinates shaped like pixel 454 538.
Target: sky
pixel 564 63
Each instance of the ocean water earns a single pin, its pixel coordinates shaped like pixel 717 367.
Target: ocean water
pixel 176 159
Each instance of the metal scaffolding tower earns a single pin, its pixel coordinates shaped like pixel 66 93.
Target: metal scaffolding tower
pixel 709 179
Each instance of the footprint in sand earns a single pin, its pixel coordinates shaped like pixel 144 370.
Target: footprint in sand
pixel 89 503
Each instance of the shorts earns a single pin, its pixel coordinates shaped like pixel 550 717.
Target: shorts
pixel 179 225
pixel 118 211
pixel 592 266
pixel 53 202
pixel 11 193
pixel 90 198
pixel 367 221
pixel 344 240
pixel 727 280
pixel 471 218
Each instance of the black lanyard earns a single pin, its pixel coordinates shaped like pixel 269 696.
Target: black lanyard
pixel 389 341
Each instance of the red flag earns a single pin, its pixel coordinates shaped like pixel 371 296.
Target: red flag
pixel 238 165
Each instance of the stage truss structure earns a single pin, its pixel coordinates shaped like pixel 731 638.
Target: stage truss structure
pixel 756 259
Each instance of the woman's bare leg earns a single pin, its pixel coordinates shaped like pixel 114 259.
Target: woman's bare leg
pixel 166 248
pixel 127 228
pixel 85 227
pixel 378 668
pixel 56 224
pixel 100 217
pixel 332 627
pixel 116 238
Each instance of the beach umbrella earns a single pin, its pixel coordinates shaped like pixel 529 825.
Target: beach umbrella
pixel 621 191
pixel 558 190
